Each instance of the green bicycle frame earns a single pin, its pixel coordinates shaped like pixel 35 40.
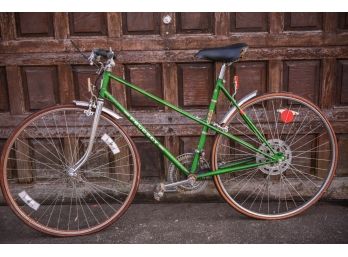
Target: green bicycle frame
pixel 206 123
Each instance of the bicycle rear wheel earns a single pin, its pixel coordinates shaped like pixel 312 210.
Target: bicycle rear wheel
pixel 292 126
pixel 35 179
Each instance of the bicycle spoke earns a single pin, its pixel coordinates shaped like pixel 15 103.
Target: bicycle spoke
pixel 284 188
pixel 70 203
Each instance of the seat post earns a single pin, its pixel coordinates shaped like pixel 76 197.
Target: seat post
pixel 223 69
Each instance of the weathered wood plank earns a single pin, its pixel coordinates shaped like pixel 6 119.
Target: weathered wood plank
pixel 222 22
pixel 61 25
pixel 276 22
pixel 167 29
pixel 15 90
pixel 23 166
pixel 170 82
pixel 179 42
pixel 340 127
pixel 275 75
pixel 8 27
pixel 118 90
pixel 330 22
pixel 114 24
pixel 342 165
pixel 342 80
pixel 328 80
pixel 125 57
pixel 172 144
pixel 66 84
pixel 4 99
pixel 163 119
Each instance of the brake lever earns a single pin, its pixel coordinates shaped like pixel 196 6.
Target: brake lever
pixel 91 58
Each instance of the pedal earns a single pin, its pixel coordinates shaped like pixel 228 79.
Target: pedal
pixel 159 192
pixel 172 187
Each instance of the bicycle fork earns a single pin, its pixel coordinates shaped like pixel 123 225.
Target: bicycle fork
pixel 72 171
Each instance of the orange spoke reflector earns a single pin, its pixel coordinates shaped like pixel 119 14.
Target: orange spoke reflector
pixel 286 116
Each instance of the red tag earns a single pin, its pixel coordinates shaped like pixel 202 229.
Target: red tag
pixel 236 81
pixel 286 116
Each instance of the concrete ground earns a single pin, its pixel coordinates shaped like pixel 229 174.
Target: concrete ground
pixel 326 222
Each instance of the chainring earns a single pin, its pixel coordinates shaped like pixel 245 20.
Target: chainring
pixel 175 175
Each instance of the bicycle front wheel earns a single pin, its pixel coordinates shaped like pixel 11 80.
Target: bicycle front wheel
pixel 292 126
pixel 38 187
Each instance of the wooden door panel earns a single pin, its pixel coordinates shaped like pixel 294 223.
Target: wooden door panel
pixel 195 84
pixel 41 86
pixel 342 166
pixel 2 142
pixel 87 24
pixel 81 73
pixel 302 78
pixel 140 23
pixel 34 24
pixel 248 22
pixel 195 22
pixel 343 21
pixel 152 165
pixel 342 83
pixel 252 76
pixel 303 21
pixel 147 77
pixel 4 102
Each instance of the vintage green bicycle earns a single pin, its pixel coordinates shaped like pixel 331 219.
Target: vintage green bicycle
pixel 72 170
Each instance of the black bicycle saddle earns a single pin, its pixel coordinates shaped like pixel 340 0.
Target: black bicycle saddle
pixel 229 53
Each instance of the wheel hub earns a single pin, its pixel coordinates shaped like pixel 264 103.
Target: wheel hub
pixel 71 172
pixel 284 157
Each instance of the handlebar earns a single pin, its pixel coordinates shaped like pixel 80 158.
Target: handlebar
pixel 109 55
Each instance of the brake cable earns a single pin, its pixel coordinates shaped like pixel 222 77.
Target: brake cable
pixel 88 59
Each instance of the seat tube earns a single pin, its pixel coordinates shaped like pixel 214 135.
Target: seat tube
pixel 212 106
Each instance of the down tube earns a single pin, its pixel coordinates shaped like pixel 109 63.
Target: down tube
pixel 175 108
pixel 146 133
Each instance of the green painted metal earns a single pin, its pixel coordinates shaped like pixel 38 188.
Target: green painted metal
pixel 247 120
pixel 104 84
pixel 232 169
pixel 248 160
pixel 203 137
pixel 190 116
pixel 146 133
pixel 206 123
